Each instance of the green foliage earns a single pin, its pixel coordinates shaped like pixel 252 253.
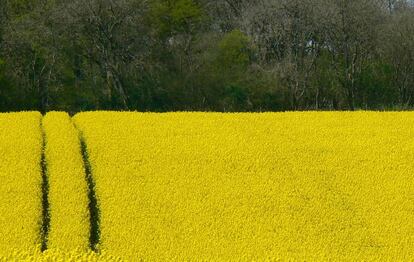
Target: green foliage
pixel 234 50
pixel 176 16
pixel 4 84
pixel 376 86
pixel 20 8
pixel 235 98
pixel 11 97
pixel 168 55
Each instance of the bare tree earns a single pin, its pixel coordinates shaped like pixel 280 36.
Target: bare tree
pixel 398 49
pixel 352 40
pixel 30 46
pixel 111 35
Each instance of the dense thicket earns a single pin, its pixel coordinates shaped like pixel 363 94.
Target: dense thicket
pixel 230 55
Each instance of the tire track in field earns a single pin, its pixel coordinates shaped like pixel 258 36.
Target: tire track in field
pixel 94 212
pixel 45 220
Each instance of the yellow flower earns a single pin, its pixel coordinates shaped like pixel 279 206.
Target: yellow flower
pixel 20 181
pixel 68 190
pixel 314 186
pixel 291 186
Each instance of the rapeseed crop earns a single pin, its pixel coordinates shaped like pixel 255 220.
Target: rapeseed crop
pixel 58 255
pixel 289 186
pixel 20 181
pixel 68 191
pixel 207 186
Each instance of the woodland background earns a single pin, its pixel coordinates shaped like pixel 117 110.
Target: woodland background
pixel 206 55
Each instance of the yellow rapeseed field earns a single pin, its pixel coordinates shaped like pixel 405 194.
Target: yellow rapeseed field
pixel 304 186
pixel 20 181
pixel 290 186
pixel 68 191
pixel 57 255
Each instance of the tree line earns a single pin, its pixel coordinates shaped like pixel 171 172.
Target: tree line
pixel 206 55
